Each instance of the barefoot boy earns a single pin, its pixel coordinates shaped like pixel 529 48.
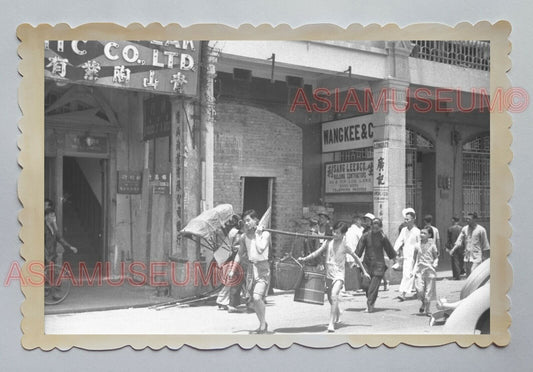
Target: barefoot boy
pixel 427 259
pixel 336 251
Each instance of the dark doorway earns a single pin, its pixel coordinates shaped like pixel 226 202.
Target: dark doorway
pixel 257 194
pixel 84 194
pixel 429 187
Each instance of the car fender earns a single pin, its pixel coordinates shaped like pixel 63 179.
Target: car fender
pixel 476 279
pixel 464 319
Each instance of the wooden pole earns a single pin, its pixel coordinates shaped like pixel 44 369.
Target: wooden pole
pixel 299 234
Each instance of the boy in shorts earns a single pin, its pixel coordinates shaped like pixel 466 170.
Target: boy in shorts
pixel 255 243
pixel 336 251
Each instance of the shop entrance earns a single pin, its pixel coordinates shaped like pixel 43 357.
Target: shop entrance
pixel 257 194
pixel 78 187
pixel 421 184
pixel 420 176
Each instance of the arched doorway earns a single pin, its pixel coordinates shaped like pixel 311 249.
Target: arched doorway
pixel 80 132
pixel 419 173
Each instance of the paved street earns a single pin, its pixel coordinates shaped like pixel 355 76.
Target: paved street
pixel 283 316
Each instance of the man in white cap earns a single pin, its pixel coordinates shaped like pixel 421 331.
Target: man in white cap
pixel 367 221
pixel 408 240
pixel 366 224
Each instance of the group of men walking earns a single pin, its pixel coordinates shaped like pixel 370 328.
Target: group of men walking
pixel 415 252
pixel 364 244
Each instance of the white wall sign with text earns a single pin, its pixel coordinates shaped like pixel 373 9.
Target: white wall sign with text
pixel 354 176
pixel 348 134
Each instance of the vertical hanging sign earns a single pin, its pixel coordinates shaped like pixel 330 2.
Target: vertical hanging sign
pixel 381 178
pixel 161 183
pixel 157 117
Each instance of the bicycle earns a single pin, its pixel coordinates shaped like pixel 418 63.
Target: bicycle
pixel 56 288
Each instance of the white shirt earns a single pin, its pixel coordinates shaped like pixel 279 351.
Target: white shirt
pixel 436 237
pixel 475 241
pixel 410 240
pixel 352 237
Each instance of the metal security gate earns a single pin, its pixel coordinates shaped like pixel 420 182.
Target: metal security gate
pixel 476 179
pixel 413 186
pixel 416 145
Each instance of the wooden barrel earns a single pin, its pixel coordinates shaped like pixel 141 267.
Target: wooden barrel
pixel 286 274
pixel 311 288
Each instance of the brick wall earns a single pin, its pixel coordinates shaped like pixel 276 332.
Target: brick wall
pixel 253 142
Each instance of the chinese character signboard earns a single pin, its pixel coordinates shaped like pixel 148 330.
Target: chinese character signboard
pixel 129 182
pixel 86 143
pixel 157 117
pixel 381 163
pixel 348 134
pixel 160 183
pixel 156 66
pixel 381 199
pixel 355 176
pixel 381 179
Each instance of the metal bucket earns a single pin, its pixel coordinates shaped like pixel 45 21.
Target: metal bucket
pixel 311 287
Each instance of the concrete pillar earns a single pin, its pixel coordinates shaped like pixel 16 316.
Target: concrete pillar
pixel 176 166
pixel 446 159
pixel 399 52
pixel 207 99
pixel 389 155
pixel 191 180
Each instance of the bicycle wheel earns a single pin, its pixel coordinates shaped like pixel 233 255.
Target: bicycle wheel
pixel 55 289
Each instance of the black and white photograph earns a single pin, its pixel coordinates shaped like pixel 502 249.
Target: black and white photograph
pixel 256 187
pixel 265 191
pixel 266 185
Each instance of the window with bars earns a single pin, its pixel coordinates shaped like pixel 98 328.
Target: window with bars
pixel 476 177
pixel 415 140
pixel 411 177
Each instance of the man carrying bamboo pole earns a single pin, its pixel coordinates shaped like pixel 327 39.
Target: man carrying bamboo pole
pixel 255 242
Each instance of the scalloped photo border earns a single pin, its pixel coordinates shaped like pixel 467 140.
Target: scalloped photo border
pixel 31 160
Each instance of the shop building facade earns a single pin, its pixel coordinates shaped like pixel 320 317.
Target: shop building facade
pixel 385 125
pixel 134 150
pixel 123 134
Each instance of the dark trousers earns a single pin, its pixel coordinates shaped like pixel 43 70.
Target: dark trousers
pixel 373 289
pixel 458 263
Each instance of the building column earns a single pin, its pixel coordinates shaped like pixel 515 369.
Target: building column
pixel 389 154
pixel 176 168
pixel 186 172
pixel 207 77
